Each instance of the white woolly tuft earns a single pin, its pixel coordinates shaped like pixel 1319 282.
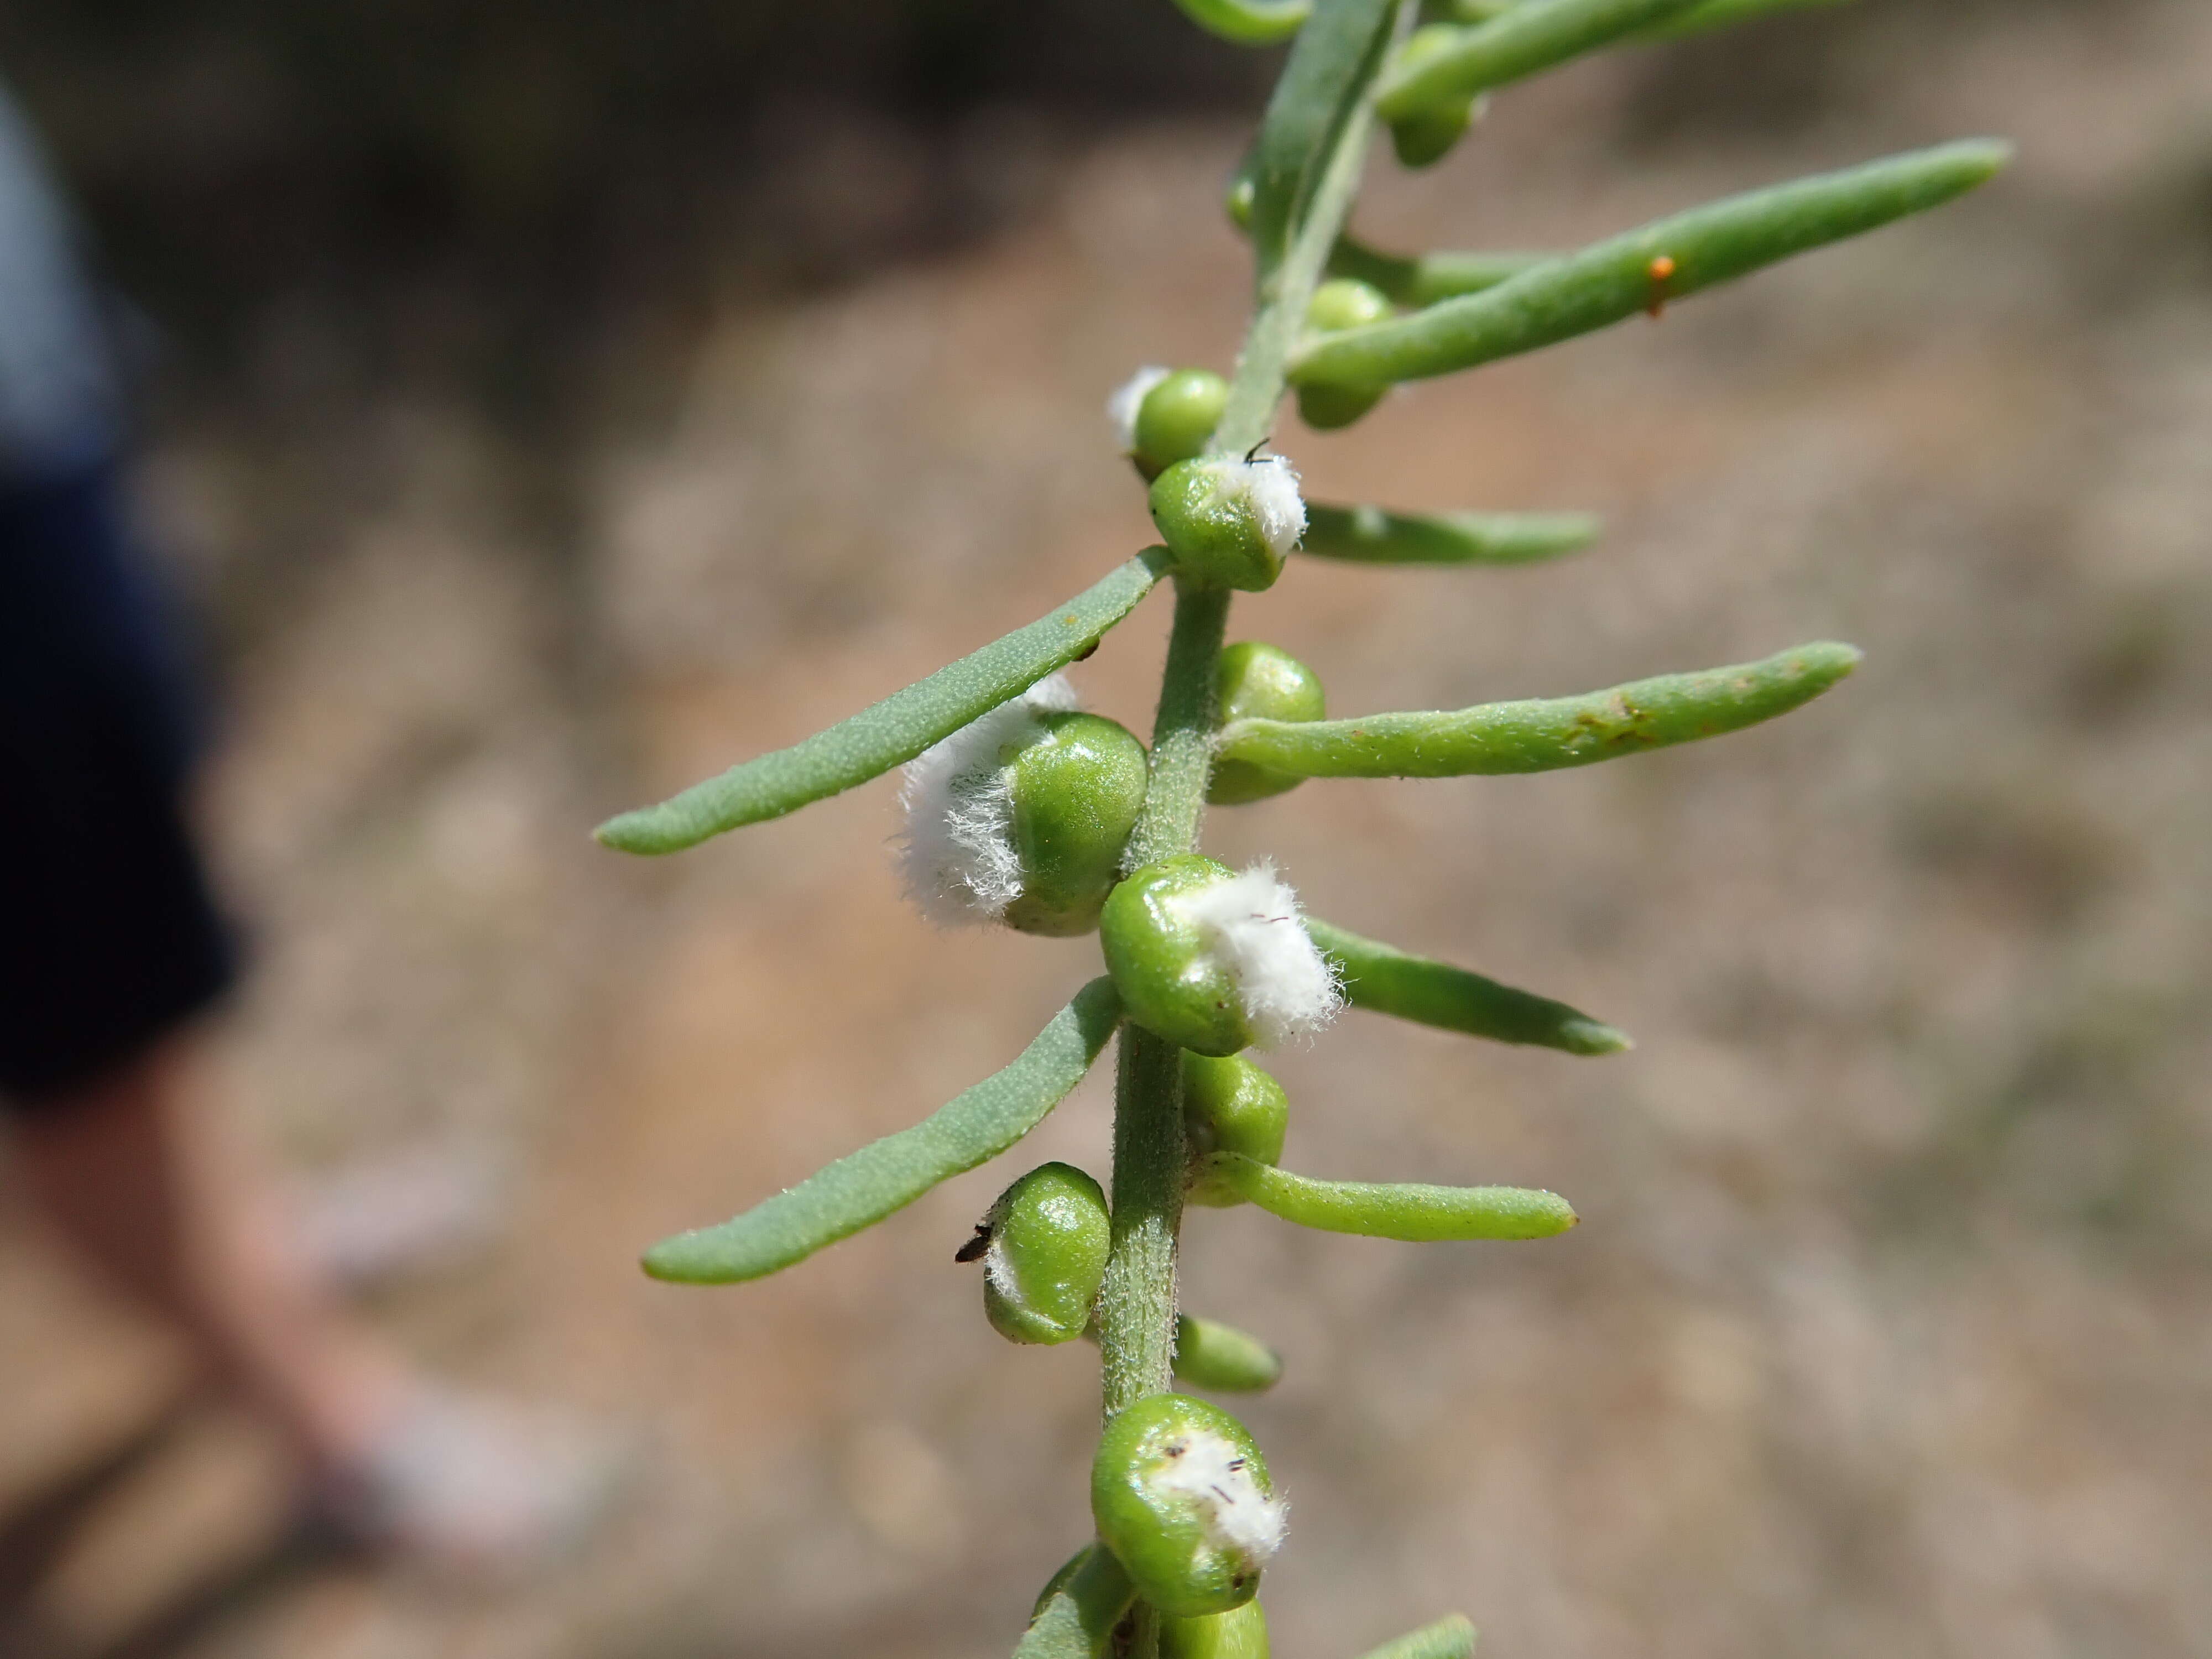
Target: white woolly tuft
pixel 1000 1273
pixel 957 858
pixel 1269 488
pixel 1272 485
pixel 1121 408
pixel 1232 1511
pixel 1251 923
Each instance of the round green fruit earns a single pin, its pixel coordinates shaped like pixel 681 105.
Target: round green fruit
pixel 1344 303
pixel 1427 136
pixel 1181 1495
pixel 1175 419
pixel 1254 681
pixel 1230 1105
pixel 1229 523
pixel 1170 982
pixel 1049 1236
pixel 1076 790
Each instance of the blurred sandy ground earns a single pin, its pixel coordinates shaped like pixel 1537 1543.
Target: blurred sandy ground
pixel 1887 1329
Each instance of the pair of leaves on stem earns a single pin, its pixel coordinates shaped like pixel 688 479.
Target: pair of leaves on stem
pixel 862 1189
pixel 1269 23
pixel 1076 1616
pixel 987 1119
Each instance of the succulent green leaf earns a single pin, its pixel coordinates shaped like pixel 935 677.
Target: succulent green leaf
pixel 860 1189
pixel 894 731
pixel 1249 22
pixel 1544 734
pixel 1408 1211
pixel 1212 1355
pixel 1256 678
pixel 1385 981
pixel 1371 535
pixel 1602 284
pixel 1725 14
pixel 1323 88
pixel 1240 1633
pixel 1076 1616
pixel 1449 1637
pixel 1425 278
pixel 1531 37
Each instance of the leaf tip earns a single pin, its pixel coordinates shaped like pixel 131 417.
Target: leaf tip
pixel 674 1260
pixel 1980 160
pixel 1830 660
pixel 1596 1038
pixel 627 832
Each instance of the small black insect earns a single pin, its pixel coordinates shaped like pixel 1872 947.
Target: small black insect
pixel 974 1249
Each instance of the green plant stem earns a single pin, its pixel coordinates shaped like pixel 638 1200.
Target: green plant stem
pixel 1136 1306
pixel 1285 291
pixel 1137 1303
pixel 1137 1309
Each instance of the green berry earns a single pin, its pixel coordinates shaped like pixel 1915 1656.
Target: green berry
pixel 1076 790
pixel 1240 1633
pixel 1343 303
pixel 1230 1105
pixel 1176 418
pixel 1215 962
pixel 1425 139
pixel 1237 202
pixel 1212 1355
pixel 1428 135
pixel 1254 681
pixel 1048 1236
pixel 1171 984
pixel 1181 1495
pixel 1229 523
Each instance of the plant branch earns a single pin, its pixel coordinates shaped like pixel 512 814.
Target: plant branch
pixel 1137 1308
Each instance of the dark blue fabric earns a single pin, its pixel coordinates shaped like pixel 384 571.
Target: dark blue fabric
pixel 109 936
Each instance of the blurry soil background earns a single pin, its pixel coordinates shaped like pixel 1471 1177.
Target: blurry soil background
pixel 540 432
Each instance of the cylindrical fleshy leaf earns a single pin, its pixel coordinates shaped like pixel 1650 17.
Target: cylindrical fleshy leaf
pixel 1240 1633
pixel 1077 1611
pixel 1533 35
pixel 894 731
pixel 1709 14
pixel 1387 981
pixel 1255 681
pixel 1412 1212
pixel 860 1189
pixel 1370 535
pixel 1249 22
pixel 1212 1355
pixel 1449 1637
pixel 1423 279
pixel 1544 735
pixel 1666 260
